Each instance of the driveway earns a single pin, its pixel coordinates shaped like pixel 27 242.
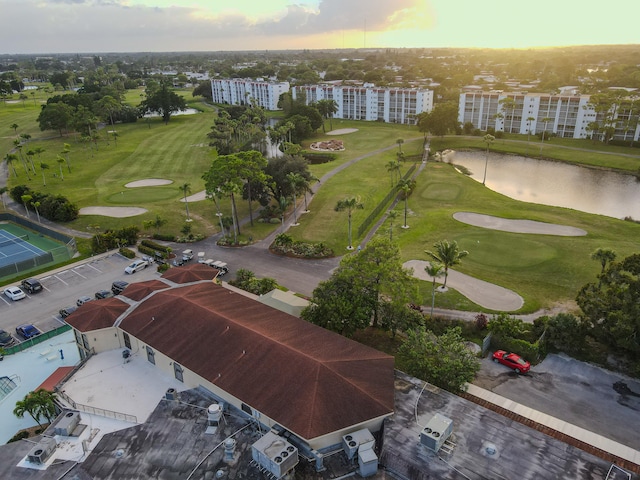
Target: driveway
pixel 579 393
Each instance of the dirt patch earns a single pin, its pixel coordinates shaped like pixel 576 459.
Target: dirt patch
pixel 149 182
pixel 342 131
pixel 115 212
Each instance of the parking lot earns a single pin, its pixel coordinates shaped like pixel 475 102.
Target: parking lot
pixel 62 287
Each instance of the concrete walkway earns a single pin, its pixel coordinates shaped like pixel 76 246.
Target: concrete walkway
pixel 585 436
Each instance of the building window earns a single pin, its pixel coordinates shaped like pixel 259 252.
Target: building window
pixel 177 371
pixel 151 355
pixel 127 340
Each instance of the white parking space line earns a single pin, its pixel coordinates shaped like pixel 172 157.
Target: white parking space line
pixel 61 280
pixel 91 266
pixel 79 274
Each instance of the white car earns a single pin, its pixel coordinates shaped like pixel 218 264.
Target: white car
pixel 136 266
pixel 14 293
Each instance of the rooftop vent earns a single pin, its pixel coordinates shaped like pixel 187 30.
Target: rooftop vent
pixel 172 394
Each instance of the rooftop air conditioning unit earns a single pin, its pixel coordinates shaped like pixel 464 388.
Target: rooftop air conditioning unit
pixel 171 394
pixel 354 440
pixel 275 454
pixel 42 451
pixel 437 430
pixel 67 424
pixel 367 460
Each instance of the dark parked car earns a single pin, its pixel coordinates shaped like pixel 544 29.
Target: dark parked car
pixel 103 294
pixel 118 286
pixel 31 285
pixel 6 339
pixel 27 331
pixel 66 311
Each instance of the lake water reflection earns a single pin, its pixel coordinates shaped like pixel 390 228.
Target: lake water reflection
pixel 555 183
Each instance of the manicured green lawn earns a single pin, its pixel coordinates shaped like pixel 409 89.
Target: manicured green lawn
pixel 543 269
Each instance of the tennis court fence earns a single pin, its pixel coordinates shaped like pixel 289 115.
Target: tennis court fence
pixel 21 266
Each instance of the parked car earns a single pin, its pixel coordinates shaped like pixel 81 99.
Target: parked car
pixel 84 299
pixel 136 266
pixel 6 339
pixel 31 285
pixel 14 293
pixel 66 311
pixel 511 360
pixel 118 286
pixel 27 331
pixel 187 255
pixel 103 294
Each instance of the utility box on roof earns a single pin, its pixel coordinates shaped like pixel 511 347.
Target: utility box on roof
pixel 436 431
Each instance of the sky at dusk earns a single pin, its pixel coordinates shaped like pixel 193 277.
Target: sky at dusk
pixel 70 26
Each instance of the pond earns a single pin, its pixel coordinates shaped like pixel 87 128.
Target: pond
pixel 555 183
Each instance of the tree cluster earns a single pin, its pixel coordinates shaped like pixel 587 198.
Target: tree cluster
pixel 56 208
pixel 246 280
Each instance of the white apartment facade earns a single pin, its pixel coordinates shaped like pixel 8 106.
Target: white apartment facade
pixel 236 91
pixel 391 105
pixel 567 116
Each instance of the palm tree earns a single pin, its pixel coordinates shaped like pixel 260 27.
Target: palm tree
pixel 604 256
pixel 448 254
pixel 213 195
pixel 232 189
pixel 15 127
pixel 283 203
pixel 544 132
pixel 434 270
pixel 349 204
pixel 35 207
pixel 37 404
pixel 400 141
pixel 26 199
pixel 18 146
pixel 65 151
pixel 30 155
pixel 405 186
pixel 392 168
pixel 43 167
pixel 60 161
pixel 392 215
pixel 294 181
pixel 3 190
pixel 186 190
pixel 488 139
pixel 9 158
pixel 529 120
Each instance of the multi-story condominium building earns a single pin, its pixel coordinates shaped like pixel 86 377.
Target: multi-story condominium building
pixel 567 116
pixel 394 105
pixel 242 92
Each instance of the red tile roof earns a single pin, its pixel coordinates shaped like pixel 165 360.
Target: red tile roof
pixel 137 291
pixel 190 273
pixel 97 314
pixel 54 379
pixel 308 379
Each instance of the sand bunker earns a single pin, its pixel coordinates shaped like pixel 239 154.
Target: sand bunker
pixel 196 197
pixel 342 131
pixel 148 182
pixel 517 226
pixel 116 212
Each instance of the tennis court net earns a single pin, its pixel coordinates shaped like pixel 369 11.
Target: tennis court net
pixel 11 241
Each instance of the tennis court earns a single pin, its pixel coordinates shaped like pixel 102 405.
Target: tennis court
pixel 22 250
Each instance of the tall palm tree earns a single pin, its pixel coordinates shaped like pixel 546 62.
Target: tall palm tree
pixel 294 181
pixel 448 254
pixel 392 168
pixel 400 141
pixel 35 207
pixel 349 204
pixel 544 132
pixel 60 161
pixel 43 167
pixel 3 190
pixel 30 155
pixel 392 215
pixel 405 187
pixel 604 256
pixel 488 139
pixel 283 203
pixel 9 158
pixel 186 190
pixel 26 199
pixel 65 151
pixel 434 270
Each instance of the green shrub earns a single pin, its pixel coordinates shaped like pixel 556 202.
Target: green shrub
pixel 165 237
pixel 19 436
pixel 284 245
pixel 127 252
pixel 529 351
pixel 163 267
pixel 155 246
